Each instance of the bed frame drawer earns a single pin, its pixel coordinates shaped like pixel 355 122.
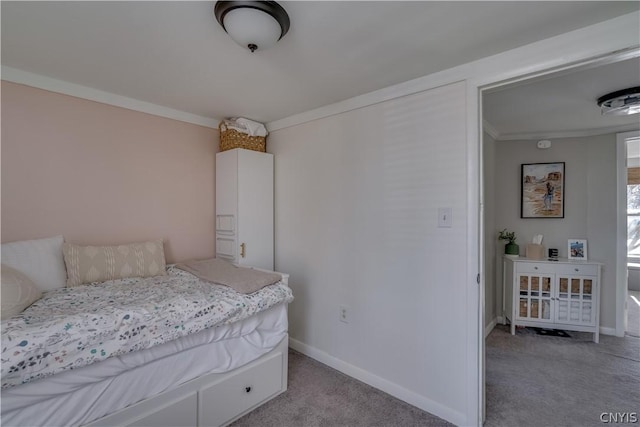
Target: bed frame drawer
pixel 180 413
pixel 211 400
pixel 241 392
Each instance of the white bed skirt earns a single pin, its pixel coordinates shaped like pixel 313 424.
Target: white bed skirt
pixel 87 394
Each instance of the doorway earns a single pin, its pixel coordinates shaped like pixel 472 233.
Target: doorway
pixel 501 186
pixel 628 249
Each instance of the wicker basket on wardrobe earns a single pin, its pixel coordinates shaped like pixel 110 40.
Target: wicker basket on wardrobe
pixel 231 138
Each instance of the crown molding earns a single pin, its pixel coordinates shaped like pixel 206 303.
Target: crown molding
pixel 492 131
pixel 566 134
pixel 579 133
pixel 15 75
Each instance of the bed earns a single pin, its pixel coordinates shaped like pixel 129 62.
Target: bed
pixel 228 357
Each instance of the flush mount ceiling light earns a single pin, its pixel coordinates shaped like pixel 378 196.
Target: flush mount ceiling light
pixel 256 25
pixel 621 102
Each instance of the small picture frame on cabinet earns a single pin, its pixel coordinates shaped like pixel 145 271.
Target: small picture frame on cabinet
pixel 577 249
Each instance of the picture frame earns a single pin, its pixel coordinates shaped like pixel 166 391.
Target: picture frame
pixel 577 249
pixel 542 190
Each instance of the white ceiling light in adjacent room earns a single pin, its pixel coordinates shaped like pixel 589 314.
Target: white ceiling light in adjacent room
pixel 621 102
pixel 255 25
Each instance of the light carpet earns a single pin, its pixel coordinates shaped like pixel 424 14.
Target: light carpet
pixel 321 396
pixel 531 380
pixel 535 380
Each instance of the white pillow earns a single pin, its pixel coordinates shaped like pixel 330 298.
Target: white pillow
pixel 40 260
pixel 18 292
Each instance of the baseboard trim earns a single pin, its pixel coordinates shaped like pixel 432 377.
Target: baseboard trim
pixel 607 331
pixel 491 325
pixel 375 381
pixel 494 322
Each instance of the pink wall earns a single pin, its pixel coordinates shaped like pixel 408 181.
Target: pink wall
pixel 99 174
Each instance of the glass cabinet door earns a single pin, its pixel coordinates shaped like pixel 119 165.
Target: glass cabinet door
pixel 534 297
pixel 575 301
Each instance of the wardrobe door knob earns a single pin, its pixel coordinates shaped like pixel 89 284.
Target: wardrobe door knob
pixel 247 389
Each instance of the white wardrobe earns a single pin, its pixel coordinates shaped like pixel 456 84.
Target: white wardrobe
pixel 244 207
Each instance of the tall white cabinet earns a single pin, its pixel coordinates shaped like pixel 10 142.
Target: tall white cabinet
pixel 244 207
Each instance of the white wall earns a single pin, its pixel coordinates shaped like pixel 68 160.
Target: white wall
pixel 590 204
pixel 318 288
pixel 356 224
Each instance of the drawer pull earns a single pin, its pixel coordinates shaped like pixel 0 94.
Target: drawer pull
pixel 535 268
pixel 247 389
pixel 576 269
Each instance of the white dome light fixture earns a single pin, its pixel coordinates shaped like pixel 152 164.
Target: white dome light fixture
pixel 621 102
pixel 255 25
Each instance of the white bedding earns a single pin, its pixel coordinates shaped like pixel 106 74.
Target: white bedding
pixel 86 394
pixel 75 327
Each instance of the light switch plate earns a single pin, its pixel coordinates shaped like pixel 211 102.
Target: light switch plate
pixel 444 217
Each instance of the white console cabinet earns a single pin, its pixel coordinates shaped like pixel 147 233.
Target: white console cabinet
pixel 563 294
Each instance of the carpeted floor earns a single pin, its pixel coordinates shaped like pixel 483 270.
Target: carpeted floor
pixel 531 380
pixel 535 380
pixel 321 396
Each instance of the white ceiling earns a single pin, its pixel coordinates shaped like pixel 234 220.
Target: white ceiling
pixel 174 54
pixel 563 105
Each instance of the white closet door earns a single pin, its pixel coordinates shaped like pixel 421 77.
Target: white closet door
pixel 227 183
pixel 255 209
pixel 227 205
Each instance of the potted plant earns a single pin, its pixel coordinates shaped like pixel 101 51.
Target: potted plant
pixel 511 248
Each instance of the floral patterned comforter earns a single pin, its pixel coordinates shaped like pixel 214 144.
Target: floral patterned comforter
pixel 73 327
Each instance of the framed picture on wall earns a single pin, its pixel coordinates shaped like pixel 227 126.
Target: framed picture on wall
pixel 577 249
pixel 542 190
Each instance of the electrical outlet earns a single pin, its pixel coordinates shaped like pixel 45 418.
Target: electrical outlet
pixel 344 314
